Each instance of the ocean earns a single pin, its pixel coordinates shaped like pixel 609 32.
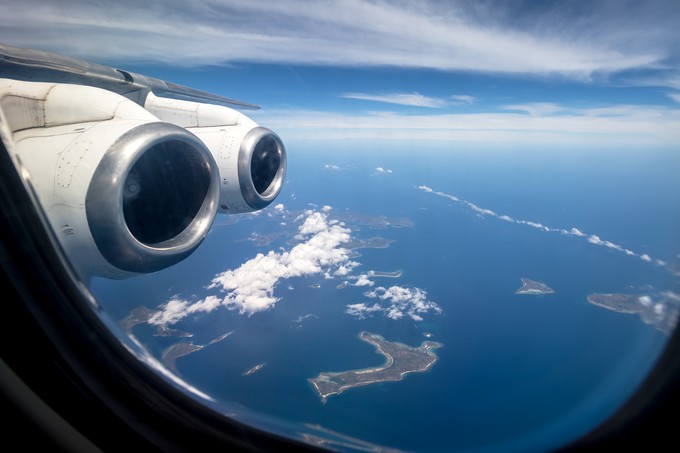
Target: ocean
pixel 516 372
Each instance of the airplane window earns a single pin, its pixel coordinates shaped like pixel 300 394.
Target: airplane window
pixel 448 228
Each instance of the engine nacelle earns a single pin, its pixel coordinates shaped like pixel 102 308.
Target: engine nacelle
pixel 124 192
pixel 251 158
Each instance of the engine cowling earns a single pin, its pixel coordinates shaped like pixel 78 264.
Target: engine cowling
pixel 251 158
pixel 124 192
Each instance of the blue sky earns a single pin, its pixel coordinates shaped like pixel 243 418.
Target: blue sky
pixel 520 73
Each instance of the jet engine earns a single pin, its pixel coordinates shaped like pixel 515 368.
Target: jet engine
pixel 251 158
pixel 128 189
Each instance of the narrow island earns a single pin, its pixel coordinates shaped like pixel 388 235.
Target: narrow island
pixel 400 360
pixel 184 348
pixel 141 315
pixel 395 274
pixel 373 274
pixel 374 222
pixel 177 350
pixel 620 303
pixel 254 369
pixel 662 312
pixel 534 287
pixel 371 243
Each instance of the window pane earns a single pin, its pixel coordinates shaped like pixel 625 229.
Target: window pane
pixel 477 243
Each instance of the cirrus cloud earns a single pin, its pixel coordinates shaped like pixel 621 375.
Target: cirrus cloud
pixel 488 36
pixel 410 99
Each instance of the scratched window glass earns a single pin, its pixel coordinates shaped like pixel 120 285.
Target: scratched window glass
pixel 431 227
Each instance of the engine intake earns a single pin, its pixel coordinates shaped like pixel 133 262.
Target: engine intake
pixel 152 198
pixel 261 167
pixel 251 158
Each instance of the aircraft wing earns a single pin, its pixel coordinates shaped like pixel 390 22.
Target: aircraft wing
pixel 40 66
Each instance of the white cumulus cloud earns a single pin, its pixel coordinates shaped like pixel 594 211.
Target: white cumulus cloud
pixel 250 287
pixel 577 232
pixel 382 171
pixel 594 239
pixel 362 310
pixel 645 300
pixel 399 301
pixel 363 280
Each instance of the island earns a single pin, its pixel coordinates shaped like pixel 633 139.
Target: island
pixel 620 303
pixel 662 312
pixel 254 369
pixel 400 360
pixel 177 350
pixel 141 315
pixel 184 348
pixel 138 315
pixel 394 274
pixel 534 287
pixel 370 243
pixel 373 274
pixel 374 222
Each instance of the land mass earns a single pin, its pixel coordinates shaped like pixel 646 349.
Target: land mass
pixel 620 303
pixel 534 287
pixel 254 369
pixel 662 312
pixel 374 222
pixel 141 315
pixel 400 360
pixel 177 350
pixel 184 348
pixel 370 243
pixel 395 274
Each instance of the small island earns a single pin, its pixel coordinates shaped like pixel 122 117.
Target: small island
pixel 141 315
pixel 395 274
pixel 534 287
pixel 177 350
pixel 184 348
pixel 374 222
pixel 620 303
pixel 371 243
pixel 400 360
pixel 254 369
pixel 662 312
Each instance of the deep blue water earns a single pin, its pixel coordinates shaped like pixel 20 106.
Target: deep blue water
pixel 523 373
